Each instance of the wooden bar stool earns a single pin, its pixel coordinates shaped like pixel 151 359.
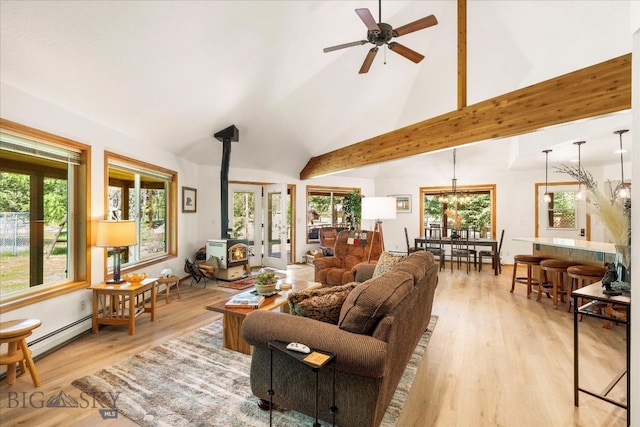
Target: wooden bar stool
pixel 530 261
pixel 556 269
pixel 14 333
pixel 583 275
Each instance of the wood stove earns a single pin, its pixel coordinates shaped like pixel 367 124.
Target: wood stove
pixel 233 255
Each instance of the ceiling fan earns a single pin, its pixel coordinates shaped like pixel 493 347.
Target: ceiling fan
pixel 380 34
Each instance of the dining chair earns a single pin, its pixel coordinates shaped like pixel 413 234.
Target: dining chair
pixel 460 248
pixel 409 248
pixel 437 248
pixel 492 255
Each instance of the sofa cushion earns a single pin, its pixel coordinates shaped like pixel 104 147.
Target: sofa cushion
pixel 322 304
pixel 385 262
pixel 373 299
pixel 415 264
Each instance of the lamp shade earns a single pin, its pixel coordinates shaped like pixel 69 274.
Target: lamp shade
pixel 378 208
pixel 116 234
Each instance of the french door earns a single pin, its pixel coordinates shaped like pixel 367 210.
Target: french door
pixel 259 214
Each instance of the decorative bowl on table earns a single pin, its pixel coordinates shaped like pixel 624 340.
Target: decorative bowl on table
pixel 135 277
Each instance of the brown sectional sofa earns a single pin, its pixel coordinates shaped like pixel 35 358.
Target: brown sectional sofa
pixel 381 321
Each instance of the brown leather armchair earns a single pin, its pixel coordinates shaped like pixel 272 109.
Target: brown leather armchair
pixel 341 268
pixel 328 238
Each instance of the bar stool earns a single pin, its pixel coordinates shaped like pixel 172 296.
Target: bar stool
pixel 530 261
pixel 14 333
pixel 557 268
pixel 583 275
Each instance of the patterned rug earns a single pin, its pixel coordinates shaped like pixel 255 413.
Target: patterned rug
pixel 193 381
pixel 239 284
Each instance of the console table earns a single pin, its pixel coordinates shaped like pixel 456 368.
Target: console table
pixel 116 311
pixel 594 293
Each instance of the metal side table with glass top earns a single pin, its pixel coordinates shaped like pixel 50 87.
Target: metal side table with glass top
pixel 594 295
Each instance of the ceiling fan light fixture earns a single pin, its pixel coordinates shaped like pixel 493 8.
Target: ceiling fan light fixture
pixel 380 34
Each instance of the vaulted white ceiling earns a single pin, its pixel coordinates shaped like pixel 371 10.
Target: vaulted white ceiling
pixel 171 73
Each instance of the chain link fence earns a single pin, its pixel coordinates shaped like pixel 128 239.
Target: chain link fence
pixel 14 232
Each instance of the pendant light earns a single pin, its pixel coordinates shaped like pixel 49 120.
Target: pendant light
pixel 622 191
pixel 580 194
pixel 547 196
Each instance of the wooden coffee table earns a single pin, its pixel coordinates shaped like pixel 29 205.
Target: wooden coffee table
pixel 232 318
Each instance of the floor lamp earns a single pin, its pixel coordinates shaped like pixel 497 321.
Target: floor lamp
pixel 378 208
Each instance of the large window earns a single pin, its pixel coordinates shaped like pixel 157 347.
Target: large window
pixel 147 194
pixel 324 209
pixel 562 210
pixel 43 215
pixel 474 209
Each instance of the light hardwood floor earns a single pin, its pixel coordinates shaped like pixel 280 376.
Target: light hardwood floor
pixel 495 359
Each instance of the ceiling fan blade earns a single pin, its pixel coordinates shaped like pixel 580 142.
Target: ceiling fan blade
pixel 345 45
pixel 368 19
pixel 368 60
pixel 411 55
pixel 427 21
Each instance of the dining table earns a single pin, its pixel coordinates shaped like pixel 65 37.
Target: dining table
pixel 421 242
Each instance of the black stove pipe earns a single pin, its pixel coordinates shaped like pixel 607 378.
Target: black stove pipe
pixel 226 136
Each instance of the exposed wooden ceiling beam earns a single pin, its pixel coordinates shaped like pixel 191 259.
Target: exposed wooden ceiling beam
pixel 462 54
pixel 592 91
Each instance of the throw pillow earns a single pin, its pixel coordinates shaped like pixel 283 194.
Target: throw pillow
pixel 372 300
pixel 322 304
pixel 386 261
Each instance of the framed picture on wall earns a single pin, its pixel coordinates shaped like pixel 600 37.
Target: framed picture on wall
pixel 403 203
pixel 189 199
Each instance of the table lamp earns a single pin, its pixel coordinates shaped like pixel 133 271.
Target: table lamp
pixel 378 208
pixel 117 235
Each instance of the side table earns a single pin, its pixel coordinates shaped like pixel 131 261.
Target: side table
pixel 116 311
pixel 594 294
pixel 168 281
pixel 315 360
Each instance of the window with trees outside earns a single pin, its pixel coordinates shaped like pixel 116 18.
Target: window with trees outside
pixel 562 210
pixel 325 209
pixel 43 215
pixel 147 194
pixel 475 211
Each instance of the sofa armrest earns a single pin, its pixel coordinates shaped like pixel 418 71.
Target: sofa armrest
pixel 356 354
pixel 363 271
pixel 327 262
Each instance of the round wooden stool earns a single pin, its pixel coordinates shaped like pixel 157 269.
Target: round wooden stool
pixel 14 333
pixel 530 261
pixel 557 269
pixel 583 275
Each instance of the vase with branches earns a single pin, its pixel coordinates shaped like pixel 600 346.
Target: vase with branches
pixel 614 215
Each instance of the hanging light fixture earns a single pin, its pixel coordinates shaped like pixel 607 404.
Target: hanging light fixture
pixel 452 196
pixel 580 194
pixel 547 196
pixel 622 190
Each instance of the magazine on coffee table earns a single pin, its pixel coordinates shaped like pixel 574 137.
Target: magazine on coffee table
pixel 248 299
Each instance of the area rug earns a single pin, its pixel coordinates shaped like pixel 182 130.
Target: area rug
pixel 245 283
pixel 193 381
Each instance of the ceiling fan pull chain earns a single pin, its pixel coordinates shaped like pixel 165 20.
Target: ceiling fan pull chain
pixel 385 54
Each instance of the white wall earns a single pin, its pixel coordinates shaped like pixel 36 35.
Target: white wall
pixel 209 198
pixel 515 201
pixel 72 312
pixel 634 399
